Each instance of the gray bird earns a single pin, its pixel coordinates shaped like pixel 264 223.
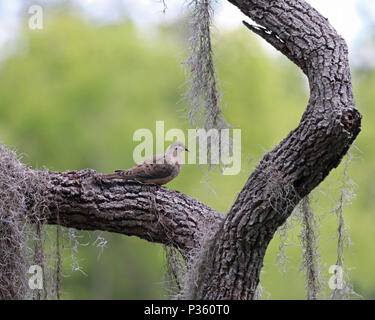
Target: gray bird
pixel 160 169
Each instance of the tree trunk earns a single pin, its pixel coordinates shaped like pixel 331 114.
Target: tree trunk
pixel 301 161
pixel 231 260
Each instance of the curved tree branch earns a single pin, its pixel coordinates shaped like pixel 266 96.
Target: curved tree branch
pixel 301 161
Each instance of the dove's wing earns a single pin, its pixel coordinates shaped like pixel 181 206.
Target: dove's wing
pixel 158 167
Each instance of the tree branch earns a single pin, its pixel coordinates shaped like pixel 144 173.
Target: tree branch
pixel 300 162
pixel 83 201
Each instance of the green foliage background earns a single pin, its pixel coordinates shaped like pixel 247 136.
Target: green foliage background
pixel 72 95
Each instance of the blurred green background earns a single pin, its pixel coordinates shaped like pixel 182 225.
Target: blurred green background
pixel 73 93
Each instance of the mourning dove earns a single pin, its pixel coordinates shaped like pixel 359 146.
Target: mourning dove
pixel 160 169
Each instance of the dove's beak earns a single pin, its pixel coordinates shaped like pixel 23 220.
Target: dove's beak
pixel 186 149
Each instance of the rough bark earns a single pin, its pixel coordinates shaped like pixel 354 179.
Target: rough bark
pixel 234 256
pixel 81 200
pixel 301 161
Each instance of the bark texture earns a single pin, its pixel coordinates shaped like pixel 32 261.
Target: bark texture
pixel 82 200
pixel 233 257
pixel 301 161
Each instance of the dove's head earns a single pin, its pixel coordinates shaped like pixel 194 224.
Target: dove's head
pixel 176 148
